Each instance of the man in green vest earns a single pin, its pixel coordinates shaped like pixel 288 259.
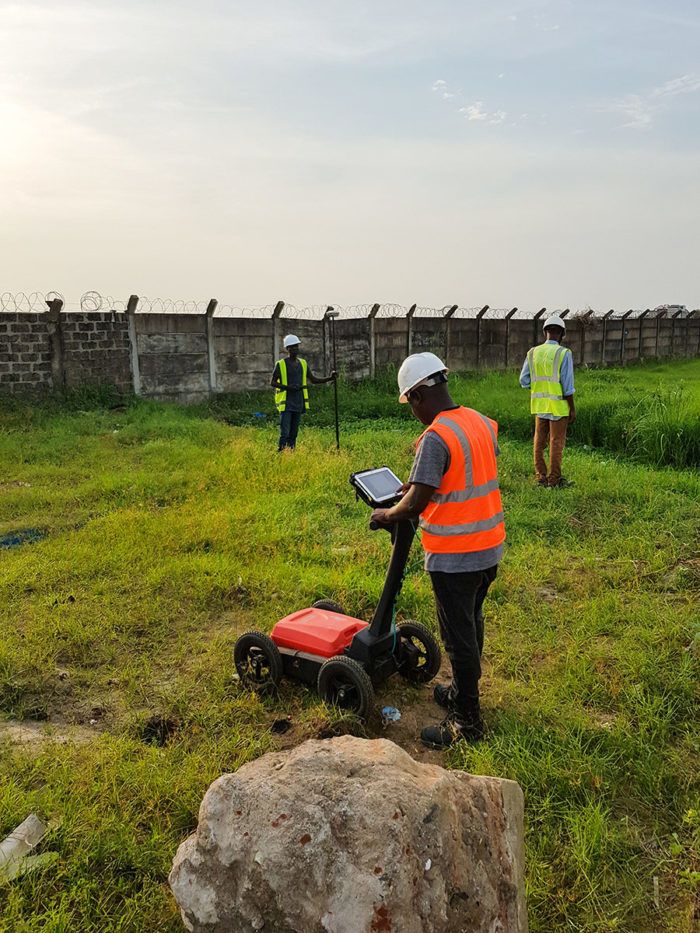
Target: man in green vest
pixel 290 380
pixel 548 372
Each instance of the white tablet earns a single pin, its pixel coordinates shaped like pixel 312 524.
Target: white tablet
pixel 379 487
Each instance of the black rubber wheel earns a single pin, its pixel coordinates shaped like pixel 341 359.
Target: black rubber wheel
pixel 344 683
pixel 258 662
pixel 419 653
pixel 329 605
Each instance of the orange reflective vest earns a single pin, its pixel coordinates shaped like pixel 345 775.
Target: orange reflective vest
pixel 465 513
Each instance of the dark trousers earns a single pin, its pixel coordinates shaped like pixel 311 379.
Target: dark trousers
pixel 460 598
pixel 289 428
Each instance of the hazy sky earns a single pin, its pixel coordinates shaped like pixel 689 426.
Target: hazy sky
pixel 446 151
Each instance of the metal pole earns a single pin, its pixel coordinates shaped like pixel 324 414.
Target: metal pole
pixel 331 315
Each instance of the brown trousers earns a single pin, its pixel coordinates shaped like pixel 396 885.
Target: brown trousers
pixel 552 433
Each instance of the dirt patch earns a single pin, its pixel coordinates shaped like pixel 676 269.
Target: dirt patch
pixel 416 705
pixel 34 736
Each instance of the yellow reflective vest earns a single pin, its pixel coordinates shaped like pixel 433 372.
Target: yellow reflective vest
pixel 546 395
pixel 281 394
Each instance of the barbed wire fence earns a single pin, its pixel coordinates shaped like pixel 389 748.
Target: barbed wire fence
pixel 94 301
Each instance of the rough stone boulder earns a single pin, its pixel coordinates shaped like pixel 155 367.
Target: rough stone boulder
pixel 353 836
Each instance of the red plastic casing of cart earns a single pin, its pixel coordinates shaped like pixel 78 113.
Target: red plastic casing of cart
pixel 317 632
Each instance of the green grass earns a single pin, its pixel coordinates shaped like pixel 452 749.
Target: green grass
pixel 650 412
pixel 168 532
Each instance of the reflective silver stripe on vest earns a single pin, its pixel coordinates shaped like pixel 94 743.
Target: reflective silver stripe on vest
pixel 490 429
pixel 555 398
pixel 555 364
pixel 469 491
pixel 484 524
pixel 464 495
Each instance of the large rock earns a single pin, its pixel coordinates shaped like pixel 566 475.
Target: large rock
pixel 353 836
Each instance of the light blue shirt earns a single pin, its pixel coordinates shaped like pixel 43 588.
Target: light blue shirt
pixel 566 376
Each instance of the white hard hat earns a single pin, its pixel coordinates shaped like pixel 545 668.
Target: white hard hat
pixel 416 370
pixel 291 340
pixel 554 321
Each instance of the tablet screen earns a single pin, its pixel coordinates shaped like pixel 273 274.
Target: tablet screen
pixel 381 485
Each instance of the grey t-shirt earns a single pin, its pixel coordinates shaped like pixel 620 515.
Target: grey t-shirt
pixel 430 465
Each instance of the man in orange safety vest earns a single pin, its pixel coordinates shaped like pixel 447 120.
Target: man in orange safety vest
pixel 453 487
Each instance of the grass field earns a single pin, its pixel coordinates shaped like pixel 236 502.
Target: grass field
pixel 166 532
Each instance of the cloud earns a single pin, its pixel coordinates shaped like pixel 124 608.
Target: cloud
pixel 640 110
pixel 474 111
pixel 686 84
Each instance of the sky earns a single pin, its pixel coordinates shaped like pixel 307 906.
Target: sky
pixel 445 152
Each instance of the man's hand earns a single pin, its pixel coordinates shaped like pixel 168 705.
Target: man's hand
pixel 380 517
pixel 572 415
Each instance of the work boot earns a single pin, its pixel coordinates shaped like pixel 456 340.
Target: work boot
pixel 453 728
pixel 542 482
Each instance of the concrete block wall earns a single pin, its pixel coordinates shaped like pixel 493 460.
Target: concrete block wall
pixel 96 349
pixel 186 357
pixel 353 347
pixel 390 341
pixel 25 353
pixel 243 350
pixel 173 356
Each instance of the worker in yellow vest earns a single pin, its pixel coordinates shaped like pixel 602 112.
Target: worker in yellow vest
pixel 548 372
pixel 290 380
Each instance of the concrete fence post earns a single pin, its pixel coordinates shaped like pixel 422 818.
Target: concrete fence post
pixel 211 349
pixel 641 328
pixel 582 321
pixel 563 315
pixel 276 330
pixel 658 328
pixel 605 336
pixel 374 311
pixel 131 306
pixel 507 353
pixel 409 329
pixel 673 331
pixel 449 314
pixel 325 326
pixel 478 335
pixel 535 325
pixel 53 326
pixel 623 321
pixel 691 317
